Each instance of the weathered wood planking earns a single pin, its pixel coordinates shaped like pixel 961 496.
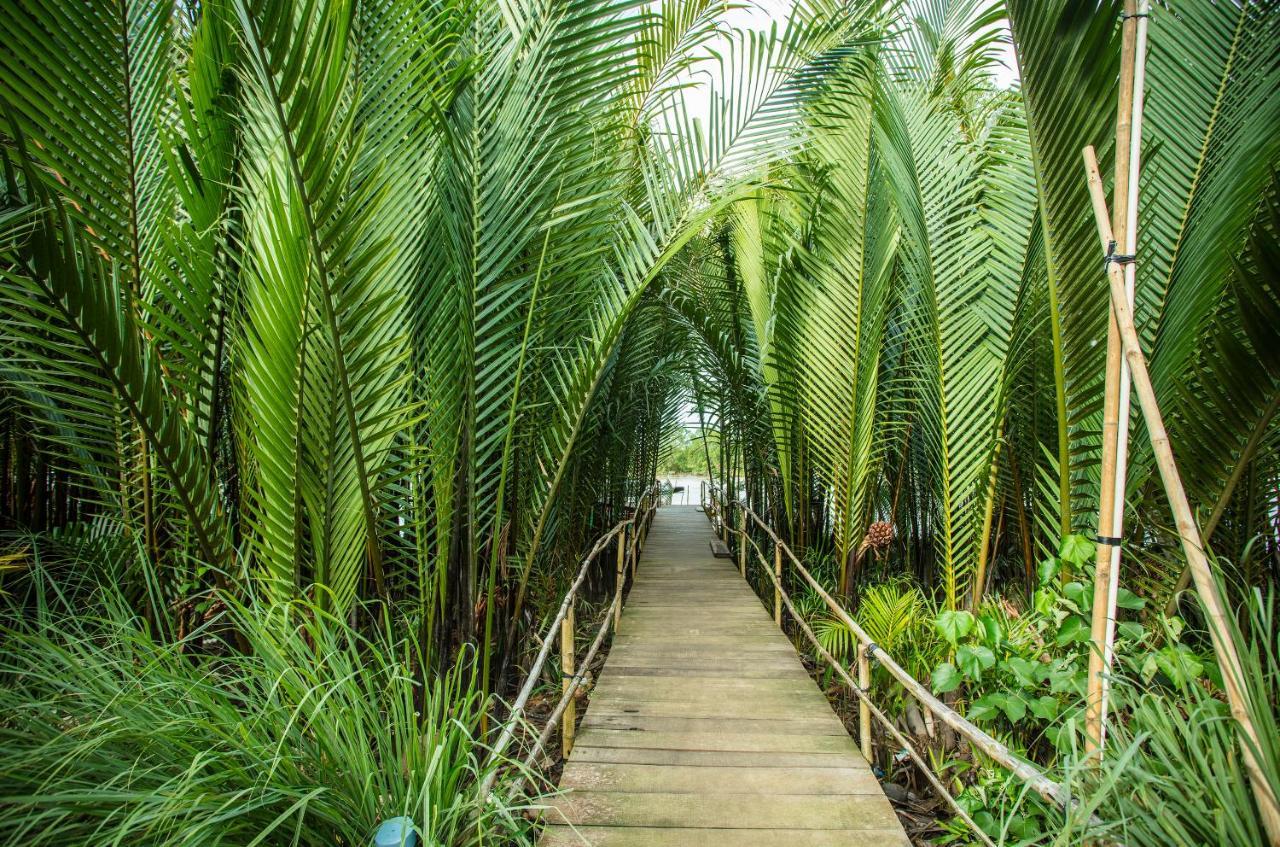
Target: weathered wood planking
pixel 705 728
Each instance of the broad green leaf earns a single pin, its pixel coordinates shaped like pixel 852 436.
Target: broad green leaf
pixel 1044 707
pixel 1179 663
pixel 954 625
pixel 1048 569
pixel 1023 670
pixel 946 678
pixel 973 659
pixel 1126 599
pixel 1076 550
pixel 1073 630
pixel 984 708
pixel 991 631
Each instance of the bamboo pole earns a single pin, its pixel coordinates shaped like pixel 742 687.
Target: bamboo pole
pixel 1211 600
pixel 777 584
pixel 621 576
pixel 632 551
pixel 742 542
pixel 1130 247
pixel 570 715
pixel 864 710
pixel 1115 416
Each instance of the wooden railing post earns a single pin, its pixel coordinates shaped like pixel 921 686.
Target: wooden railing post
pixel 777 585
pixel 864 710
pixel 742 540
pixel 632 550
pixel 622 576
pixel 567 671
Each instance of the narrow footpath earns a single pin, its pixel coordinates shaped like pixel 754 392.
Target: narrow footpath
pixel 704 729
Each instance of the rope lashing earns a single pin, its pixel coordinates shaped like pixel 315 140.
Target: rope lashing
pixel 1118 258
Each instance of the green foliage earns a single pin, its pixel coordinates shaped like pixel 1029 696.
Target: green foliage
pixel 312 736
pixel 686 455
pixel 1173 772
pixel 325 302
pixel 1025 671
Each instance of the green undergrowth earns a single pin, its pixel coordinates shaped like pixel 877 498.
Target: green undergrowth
pixel 270 724
pixel 1018 667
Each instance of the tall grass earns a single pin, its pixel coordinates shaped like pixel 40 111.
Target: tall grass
pixel 304 731
pixel 1173 774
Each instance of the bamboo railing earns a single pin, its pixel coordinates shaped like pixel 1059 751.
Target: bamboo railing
pixel 630 533
pixel 868 650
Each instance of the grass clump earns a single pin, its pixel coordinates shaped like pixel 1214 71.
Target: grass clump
pixel 271 724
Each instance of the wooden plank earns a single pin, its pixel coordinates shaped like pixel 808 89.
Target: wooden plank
pixel 688 779
pixel 850 812
pixel 604 719
pixel 704 728
pixel 709 758
pixel 725 739
pixel 729 672
pixel 597 836
pixel 721 710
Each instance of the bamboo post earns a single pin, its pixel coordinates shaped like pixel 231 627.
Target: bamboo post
pixel 1129 246
pixel 567 671
pixel 777 584
pixel 1192 544
pixel 632 551
pixel 742 541
pixel 864 711
pixel 1115 411
pixel 621 576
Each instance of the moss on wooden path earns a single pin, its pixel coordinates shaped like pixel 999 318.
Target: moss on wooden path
pixel 705 728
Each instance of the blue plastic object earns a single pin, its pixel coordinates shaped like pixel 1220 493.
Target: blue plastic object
pixel 396 832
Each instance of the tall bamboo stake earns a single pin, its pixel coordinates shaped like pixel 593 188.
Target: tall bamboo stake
pixel 742 541
pixel 1115 414
pixel 777 585
pixel 1129 247
pixel 1192 544
pixel 567 671
pixel 621 575
pixel 864 709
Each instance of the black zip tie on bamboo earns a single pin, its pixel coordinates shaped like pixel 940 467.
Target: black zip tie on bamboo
pixel 1118 258
pixel 1108 540
pixel 1127 17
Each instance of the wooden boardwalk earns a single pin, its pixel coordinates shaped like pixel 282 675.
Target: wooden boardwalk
pixel 705 728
